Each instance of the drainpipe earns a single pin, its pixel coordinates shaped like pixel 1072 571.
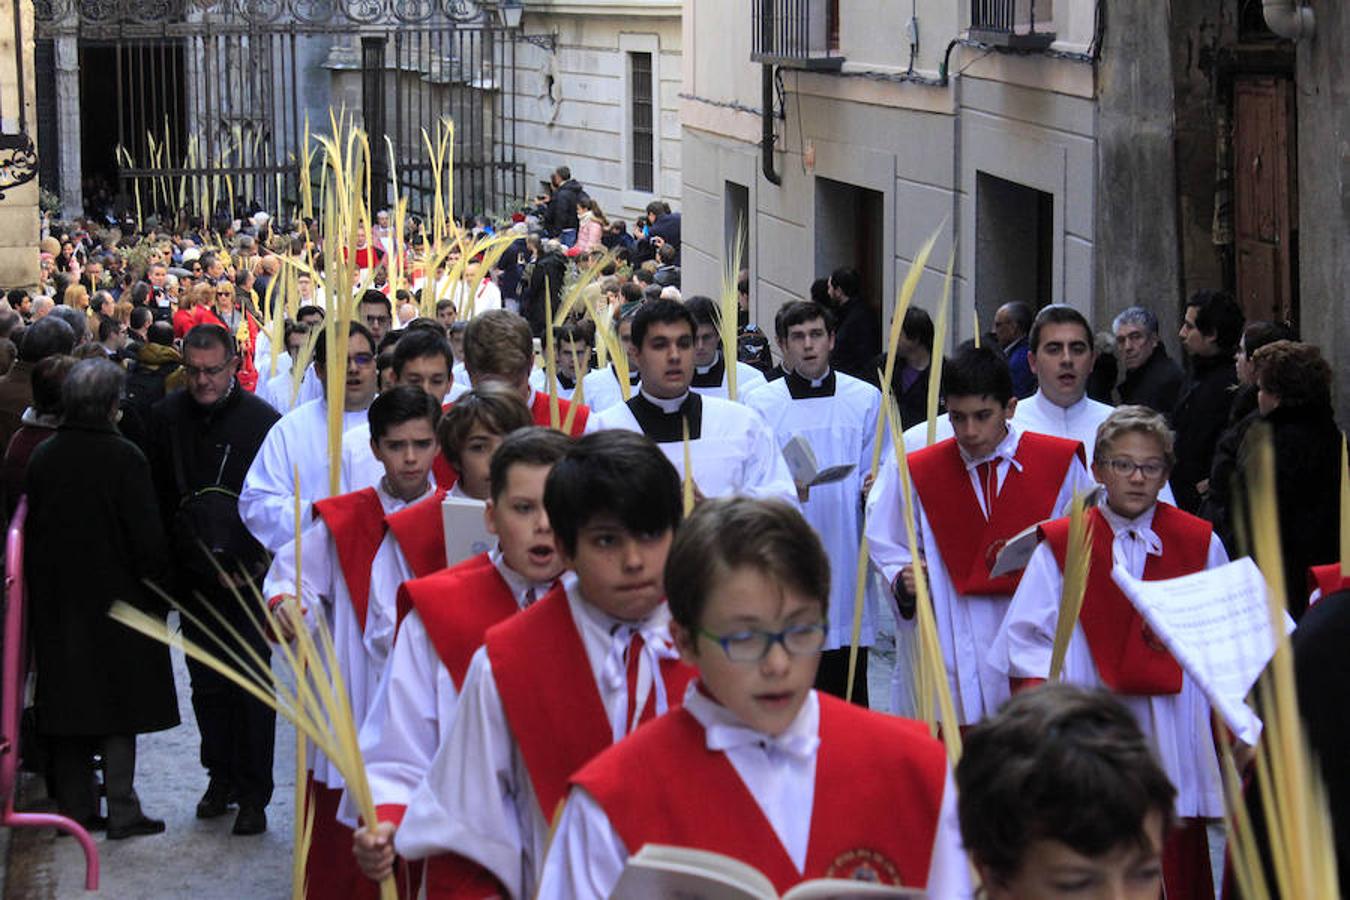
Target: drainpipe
pixel 1288 18
pixel 766 136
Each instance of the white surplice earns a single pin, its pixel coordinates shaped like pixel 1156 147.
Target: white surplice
pixel 840 429
pixel 415 703
pixel 603 390
pixel 477 799
pixel 1177 725
pixel 539 381
pixel 324 592
pixel 748 379
pixel 965 623
pixel 587 856
pixel 734 454
pixel 277 390
pixel 299 438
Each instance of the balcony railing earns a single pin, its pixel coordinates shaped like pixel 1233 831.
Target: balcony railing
pixel 1016 24
pixel 796 33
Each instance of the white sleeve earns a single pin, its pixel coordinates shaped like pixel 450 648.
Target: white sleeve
pixel 469 802
pixel 403 728
pixel 949 874
pixel 316 571
pixel 267 501
pixel 887 538
pixel 587 856
pixel 1026 640
pixel 387 572
pixel 1218 556
pixel 767 475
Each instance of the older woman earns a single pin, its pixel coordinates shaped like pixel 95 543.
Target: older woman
pixel 99 684
pixel 1294 398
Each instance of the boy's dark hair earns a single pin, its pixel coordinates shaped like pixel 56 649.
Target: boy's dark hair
pixel 977 372
pixel 703 309
pixel 847 281
pixel 384 360
pixel 1058 314
pixel 444 303
pixel 419 342
pixel 1058 763
pixel 1218 315
pixel 320 357
pixel 615 473
pixel 664 312
pixel 572 332
pixel 377 298
pixel 532 446
pixel 799 312
pixel 631 292
pixel 918 327
pixel 731 532
pixel 401 403
pixel 491 404
pixel 309 309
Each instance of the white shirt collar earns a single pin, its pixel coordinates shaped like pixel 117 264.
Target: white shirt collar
pixel 1048 407
pixel 392 503
pixel 1006 449
pixel 519 585
pixel 1139 528
pixel 667 406
pixel 723 729
pixel 704 370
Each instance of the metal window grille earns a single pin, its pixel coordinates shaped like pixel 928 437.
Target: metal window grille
pixel 796 33
pixel 1012 22
pixel 643 122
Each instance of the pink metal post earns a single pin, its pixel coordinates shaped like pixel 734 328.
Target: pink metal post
pixel 11 705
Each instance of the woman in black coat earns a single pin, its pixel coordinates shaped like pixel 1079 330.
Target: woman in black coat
pixel 1294 399
pixel 93 535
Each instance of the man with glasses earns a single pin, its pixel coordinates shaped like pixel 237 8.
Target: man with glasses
pixel 300 439
pixel 201 443
pixel 376 313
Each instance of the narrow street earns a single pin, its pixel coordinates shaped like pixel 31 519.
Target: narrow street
pixel 193 858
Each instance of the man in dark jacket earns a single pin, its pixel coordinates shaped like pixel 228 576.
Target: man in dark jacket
pixel 1152 379
pixel 562 209
pixel 1209 334
pixel 206 437
pixel 1012 325
pixel 546 272
pixel 99 684
pixel 857 341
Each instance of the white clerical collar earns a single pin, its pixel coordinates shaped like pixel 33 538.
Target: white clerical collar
pixel 667 406
pixel 718 722
pixel 814 382
pixel 1006 449
pixel 523 591
pixel 457 491
pixel 704 370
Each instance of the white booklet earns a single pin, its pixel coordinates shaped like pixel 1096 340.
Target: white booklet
pixel 806 472
pixel 660 872
pixel 1016 553
pixel 466 533
pixel 1217 625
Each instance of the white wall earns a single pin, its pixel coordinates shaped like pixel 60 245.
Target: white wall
pixel 584 122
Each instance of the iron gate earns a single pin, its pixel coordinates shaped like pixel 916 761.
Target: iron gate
pixel 209 97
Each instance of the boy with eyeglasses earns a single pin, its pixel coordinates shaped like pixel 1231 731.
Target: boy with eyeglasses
pixel 757 765
pixel 1111 645
pixel 971 494
pixel 556 684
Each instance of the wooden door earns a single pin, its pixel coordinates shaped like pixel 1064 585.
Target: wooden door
pixel 1265 212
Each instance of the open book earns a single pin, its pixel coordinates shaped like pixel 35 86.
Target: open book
pixel 660 872
pixel 806 472
pixel 1016 553
pixel 466 532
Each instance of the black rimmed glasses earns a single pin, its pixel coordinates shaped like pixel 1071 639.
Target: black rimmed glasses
pixel 753 644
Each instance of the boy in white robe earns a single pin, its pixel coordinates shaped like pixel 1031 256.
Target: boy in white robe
pixel 557 683
pixel 731 450
pixel 710 367
pixel 447 616
pixel 300 438
pixel 422 359
pixel 1110 646
pixel 414 544
pixel 335 556
pixel 572 344
pixel 602 386
pixel 971 493
pixel 836 414
pixel 757 765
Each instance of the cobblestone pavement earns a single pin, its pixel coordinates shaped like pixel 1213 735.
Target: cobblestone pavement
pixel 193 858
